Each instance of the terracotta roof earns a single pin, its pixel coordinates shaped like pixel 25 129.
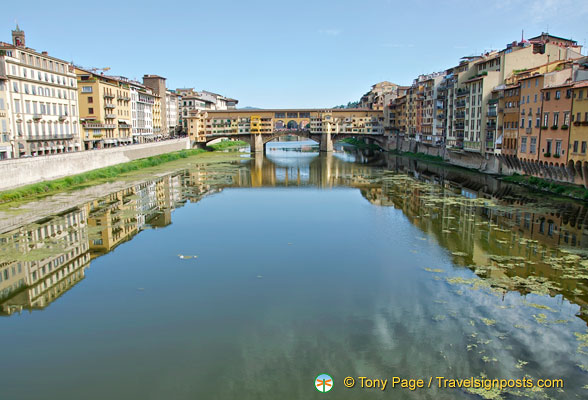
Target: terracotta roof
pixel 580 84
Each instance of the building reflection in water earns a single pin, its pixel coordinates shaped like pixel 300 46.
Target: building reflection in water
pixel 515 239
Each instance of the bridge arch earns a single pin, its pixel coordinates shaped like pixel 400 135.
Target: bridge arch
pixel 292 125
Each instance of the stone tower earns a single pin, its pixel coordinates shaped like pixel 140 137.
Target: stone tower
pixel 18 37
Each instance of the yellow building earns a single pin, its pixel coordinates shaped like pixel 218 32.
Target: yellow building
pixel 579 129
pixel 157 131
pixel 113 220
pixel 105 110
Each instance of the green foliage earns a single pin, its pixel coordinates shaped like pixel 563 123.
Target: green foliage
pixel 48 187
pixel 360 144
pixel 569 190
pixel 227 144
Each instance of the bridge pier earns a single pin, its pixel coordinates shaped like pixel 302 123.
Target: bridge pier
pixel 257 143
pixel 326 144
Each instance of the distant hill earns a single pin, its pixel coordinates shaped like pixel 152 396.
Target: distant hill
pixel 249 108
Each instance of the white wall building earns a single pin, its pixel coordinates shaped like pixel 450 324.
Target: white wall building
pixel 142 102
pixel 172 101
pixel 40 102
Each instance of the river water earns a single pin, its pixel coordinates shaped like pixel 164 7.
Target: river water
pixel 247 278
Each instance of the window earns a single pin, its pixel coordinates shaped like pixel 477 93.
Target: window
pixel 575 146
pixel 537 122
pixel 578 117
pixel 90 110
pixel 533 147
pixel 546 119
pixel 15 87
pixel 530 122
pixel 535 101
pixel 90 99
pixel 28 107
pixel 528 99
pixel 86 89
pixel 583 147
pixel 555 119
pixel 1 104
pixel 566 118
pixel 557 95
pixel 522 122
pixel 548 149
pixel 547 95
pixel 523 145
pixel 536 82
pixel 580 94
pixel 16 106
pixel 558 147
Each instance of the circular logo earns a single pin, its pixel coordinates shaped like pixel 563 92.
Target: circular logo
pixel 323 383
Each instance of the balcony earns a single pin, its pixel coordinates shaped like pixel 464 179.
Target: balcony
pixel 462 92
pixel 124 126
pixel 124 98
pixel 460 104
pixel 110 116
pixel 93 125
pixel 62 117
pixel 460 115
pixel 37 117
pixel 33 138
pixel 528 130
pixel 108 96
pixel 109 105
pixel 492 113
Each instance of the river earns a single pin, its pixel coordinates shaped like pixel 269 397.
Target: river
pixel 247 278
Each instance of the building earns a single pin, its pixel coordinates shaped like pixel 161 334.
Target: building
pixel 172 107
pixel 142 103
pixel 40 105
pixel 5 145
pixel 555 120
pixel 194 101
pixel 159 129
pixel 433 118
pixel 157 84
pixel 105 109
pixel 377 97
pixel 579 128
pixel 508 108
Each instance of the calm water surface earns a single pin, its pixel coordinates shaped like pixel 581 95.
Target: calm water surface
pixel 247 279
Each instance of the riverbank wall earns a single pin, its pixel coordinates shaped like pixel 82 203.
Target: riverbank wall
pixel 497 164
pixel 25 171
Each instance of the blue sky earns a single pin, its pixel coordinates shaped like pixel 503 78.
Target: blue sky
pixel 285 54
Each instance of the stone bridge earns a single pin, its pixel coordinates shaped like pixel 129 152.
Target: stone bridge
pixel 258 127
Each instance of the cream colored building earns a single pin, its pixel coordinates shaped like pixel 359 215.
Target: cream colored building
pixel 5 145
pixel 105 109
pixel 40 101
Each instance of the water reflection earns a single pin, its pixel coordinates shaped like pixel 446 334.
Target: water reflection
pixel 516 239
pixel 433 270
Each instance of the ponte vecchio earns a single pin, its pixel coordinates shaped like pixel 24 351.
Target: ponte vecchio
pixel 258 127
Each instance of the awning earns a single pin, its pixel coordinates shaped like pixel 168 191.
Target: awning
pixel 499 140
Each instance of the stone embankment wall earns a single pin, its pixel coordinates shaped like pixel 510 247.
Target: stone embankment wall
pixel 24 171
pixel 498 164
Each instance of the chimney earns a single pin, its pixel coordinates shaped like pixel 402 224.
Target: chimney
pixel 44 53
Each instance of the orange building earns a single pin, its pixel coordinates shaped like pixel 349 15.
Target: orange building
pixel 529 121
pixel 555 124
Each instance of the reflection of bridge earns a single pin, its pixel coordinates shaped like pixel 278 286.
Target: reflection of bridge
pixel 258 127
